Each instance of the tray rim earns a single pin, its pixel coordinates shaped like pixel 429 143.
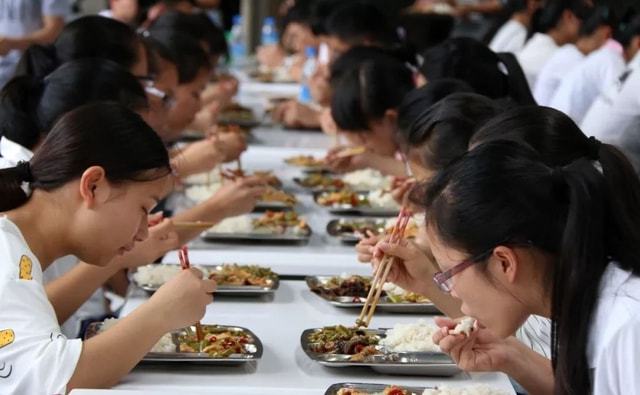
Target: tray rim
pixel 372 387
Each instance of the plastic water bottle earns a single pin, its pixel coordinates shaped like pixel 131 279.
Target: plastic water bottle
pixel 269 32
pixel 307 72
pixel 236 42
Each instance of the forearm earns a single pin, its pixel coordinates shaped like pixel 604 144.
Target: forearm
pixel 185 166
pixel 208 211
pixel 46 35
pixel 69 291
pixel 108 357
pixel 530 369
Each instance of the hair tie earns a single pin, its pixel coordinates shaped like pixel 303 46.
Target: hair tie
pixel 594 148
pixel 23 169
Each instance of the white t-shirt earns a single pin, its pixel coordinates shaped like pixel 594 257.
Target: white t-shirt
pixel 552 73
pixel 616 111
pixel 538 50
pixel 536 334
pixel 613 351
pixel 509 38
pixel 588 80
pixel 35 357
pixel 19 18
pixel 95 307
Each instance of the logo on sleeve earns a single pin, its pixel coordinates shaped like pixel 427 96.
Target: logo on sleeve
pixel 25 268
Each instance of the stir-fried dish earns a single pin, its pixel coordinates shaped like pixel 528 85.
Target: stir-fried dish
pixel 391 390
pixel 343 340
pixel 218 344
pixel 305 161
pixel 243 275
pixel 280 221
pixel 342 198
pixel 356 286
pixel 318 180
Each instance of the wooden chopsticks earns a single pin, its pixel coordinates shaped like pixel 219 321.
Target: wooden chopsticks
pixel 352 151
pixel 194 224
pixel 184 264
pixel 382 272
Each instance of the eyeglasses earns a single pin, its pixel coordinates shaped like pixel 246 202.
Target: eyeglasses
pixel 443 279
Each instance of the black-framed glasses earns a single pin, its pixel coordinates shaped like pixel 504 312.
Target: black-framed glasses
pixel 444 279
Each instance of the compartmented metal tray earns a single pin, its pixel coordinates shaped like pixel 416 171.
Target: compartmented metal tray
pixel 273 284
pixel 287 237
pixel 316 189
pixel 395 363
pixel 252 351
pixel 364 209
pixel 357 302
pixel 368 388
pixel 333 228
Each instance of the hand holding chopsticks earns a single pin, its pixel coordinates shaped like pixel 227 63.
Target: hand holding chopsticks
pixel 184 264
pixel 382 271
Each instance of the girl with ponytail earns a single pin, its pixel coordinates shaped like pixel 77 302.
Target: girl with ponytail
pixel 100 168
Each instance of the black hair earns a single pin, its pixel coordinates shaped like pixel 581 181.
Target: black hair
pixel 184 50
pixel 493 75
pixel 99 134
pixel 501 192
pixel 443 131
pixel 86 37
pixel 420 99
pixel 319 12
pixel 198 26
pixel 363 93
pixel 30 106
pixel 300 12
pixel 358 22
pixel 355 56
pixel 627 30
pixel 420 31
pixel 549 15
pixel 600 15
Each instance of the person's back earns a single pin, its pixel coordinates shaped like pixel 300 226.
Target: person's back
pixel 552 73
pixel 616 112
pixel 511 37
pixel 587 80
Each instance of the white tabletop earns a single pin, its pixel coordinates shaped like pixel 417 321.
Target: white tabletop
pixel 279 321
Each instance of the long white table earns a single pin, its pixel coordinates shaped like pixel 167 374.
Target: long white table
pixel 279 321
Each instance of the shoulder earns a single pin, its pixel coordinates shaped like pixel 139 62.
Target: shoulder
pixel 17 261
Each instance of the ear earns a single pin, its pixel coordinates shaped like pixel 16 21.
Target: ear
pixel 391 115
pixel 94 187
pixel 504 264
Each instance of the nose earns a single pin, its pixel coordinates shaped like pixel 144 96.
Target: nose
pixel 143 230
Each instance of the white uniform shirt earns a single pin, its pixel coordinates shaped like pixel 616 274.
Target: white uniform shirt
pixel 552 73
pixel 35 358
pixel 614 340
pixel 538 50
pixel 588 80
pixel 12 153
pixel 616 111
pixel 19 18
pixel 509 38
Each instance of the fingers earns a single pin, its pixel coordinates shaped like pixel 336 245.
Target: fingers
pixel 209 286
pixel 395 250
pixel 155 219
pixel 162 229
pixel 445 322
pixel 195 272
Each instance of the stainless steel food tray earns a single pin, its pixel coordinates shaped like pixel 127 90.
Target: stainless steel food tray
pixel 364 210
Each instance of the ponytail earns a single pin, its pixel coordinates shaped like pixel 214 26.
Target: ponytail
pixel 11 185
pixel 37 61
pixel 518 87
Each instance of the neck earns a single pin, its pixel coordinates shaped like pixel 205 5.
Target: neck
pixel 583 46
pixel 523 18
pixel 557 36
pixel 44 225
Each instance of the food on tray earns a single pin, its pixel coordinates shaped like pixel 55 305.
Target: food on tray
pixel 321 181
pixel 155 275
pixel 267 176
pixel 270 222
pixel 367 180
pixel 479 389
pixel 396 294
pixel 234 112
pixel 356 286
pixel 200 193
pixel 343 340
pixel 391 390
pixel 243 275
pixel 363 228
pixel 276 195
pixel 382 199
pixel 411 338
pixel 464 326
pixel 216 343
pixel 340 198
pixel 305 161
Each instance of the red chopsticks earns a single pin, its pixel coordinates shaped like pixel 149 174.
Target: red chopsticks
pixel 184 264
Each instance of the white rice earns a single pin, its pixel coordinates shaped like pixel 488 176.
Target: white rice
pixel 157 275
pixel 380 199
pixel 466 390
pixel 393 289
pixel 366 180
pixel 204 178
pixel 464 326
pixel 200 193
pixel 165 344
pixel 239 224
pixel 411 338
